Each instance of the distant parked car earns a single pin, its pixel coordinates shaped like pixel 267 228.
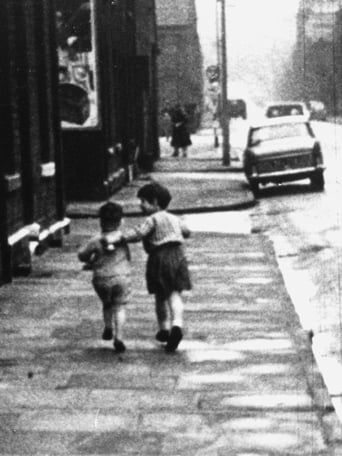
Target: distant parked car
pixel 317 110
pixel 286 108
pixel 281 150
pixel 237 108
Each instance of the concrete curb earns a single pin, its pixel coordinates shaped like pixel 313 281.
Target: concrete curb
pixel 186 210
pixel 169 166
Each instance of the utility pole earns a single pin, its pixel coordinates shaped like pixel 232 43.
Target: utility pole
pixel 224 91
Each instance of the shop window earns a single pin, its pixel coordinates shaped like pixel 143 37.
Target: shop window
pixel 78 91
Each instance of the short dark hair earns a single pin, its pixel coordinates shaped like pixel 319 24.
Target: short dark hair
pixel 110 213
pixel 155 191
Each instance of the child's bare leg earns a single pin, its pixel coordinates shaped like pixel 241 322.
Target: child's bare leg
pixel 161 306
pixel 176 309
pixel 176 333
pixel 161 312
pixel 108 321
pixel 119 321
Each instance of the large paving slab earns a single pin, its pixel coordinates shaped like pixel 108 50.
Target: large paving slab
pixel 239 384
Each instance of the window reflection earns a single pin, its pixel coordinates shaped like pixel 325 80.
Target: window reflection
pixel 77 70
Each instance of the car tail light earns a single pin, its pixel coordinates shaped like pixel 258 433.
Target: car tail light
pixel 317 154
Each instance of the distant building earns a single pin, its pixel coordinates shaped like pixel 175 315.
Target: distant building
pixel 317 51
pixel 316 19
pixel 180 73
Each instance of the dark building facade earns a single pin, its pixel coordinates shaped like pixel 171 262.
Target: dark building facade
pixel 106 70
pixel 147 83
pixel 180 72
pixel 78 108
pixel 32 195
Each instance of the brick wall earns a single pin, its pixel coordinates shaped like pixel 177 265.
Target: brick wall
pixel 30 170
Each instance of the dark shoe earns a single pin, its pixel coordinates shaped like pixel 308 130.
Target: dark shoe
pixel 107 334
pixel 175 154
pixel 162 335
pixel 176 336
pixel 119 346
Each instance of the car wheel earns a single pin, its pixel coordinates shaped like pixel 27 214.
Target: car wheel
pixel 255 188
pixel 317 181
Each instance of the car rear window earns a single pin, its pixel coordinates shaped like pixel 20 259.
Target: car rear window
pixel 271 132
pixel 285 110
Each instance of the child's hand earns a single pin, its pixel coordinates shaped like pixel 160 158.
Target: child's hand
pixel 186 233
pixel 88 261
pixel 107 245
pixel 185 230
pixel 109 242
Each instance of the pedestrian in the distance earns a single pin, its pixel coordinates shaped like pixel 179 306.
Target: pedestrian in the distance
pixel 167 274
pixel 111 271
pixel 180 135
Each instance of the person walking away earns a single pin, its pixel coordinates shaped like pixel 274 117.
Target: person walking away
pixel 180 136
pixel 167 274
pixel 111 271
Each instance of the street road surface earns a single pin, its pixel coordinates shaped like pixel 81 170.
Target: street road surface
pixel 306 229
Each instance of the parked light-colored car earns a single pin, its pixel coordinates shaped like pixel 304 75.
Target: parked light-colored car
pixel 283 149
pixel 286 108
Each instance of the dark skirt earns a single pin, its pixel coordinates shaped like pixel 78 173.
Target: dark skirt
pixel 167 270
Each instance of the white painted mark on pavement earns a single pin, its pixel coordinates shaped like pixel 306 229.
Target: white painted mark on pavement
pixel 220 222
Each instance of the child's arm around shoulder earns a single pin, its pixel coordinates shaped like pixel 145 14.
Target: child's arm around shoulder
pixel 139 232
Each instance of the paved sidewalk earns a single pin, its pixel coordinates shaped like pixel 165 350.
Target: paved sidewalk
pixel 199 183
pixel 242 383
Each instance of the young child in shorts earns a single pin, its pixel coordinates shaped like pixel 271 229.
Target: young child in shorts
pixel 167 274
pixel 111 272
